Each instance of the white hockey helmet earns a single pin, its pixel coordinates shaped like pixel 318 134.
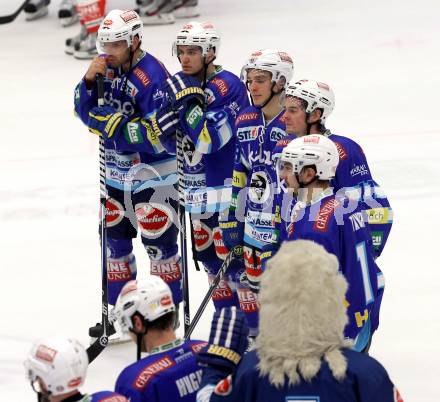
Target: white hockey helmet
pixel 150 297
pixel 119 25
pixel 60 362
pixel 279 64
pixel 201 34
pixel 318 95
pixel 313 149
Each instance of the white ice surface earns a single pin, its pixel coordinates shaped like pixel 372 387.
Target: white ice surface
pixel 382 60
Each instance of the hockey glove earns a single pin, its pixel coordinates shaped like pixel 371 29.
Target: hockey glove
pixel 228 340
pixel 232 233
pixel 106 121
pixel 182 89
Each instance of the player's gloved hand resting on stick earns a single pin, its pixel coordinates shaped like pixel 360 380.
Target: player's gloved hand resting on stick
pixel 106 121
pixel 183 89
pixel 228 340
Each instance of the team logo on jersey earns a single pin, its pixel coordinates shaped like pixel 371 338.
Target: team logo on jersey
pixel 192 157
pixel 259 188
pixel 46 353
pixel 114 212
pixel 154 219
pixel 224 387
pixel 209 96
pixel 246 117
pixel 202 236
pixel 219 245
pixel 377 216
pixel 155 253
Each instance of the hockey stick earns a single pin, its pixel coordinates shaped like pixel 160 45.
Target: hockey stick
pixel 182 230
pixel 5 19
pixel 98 346
pixel 236 251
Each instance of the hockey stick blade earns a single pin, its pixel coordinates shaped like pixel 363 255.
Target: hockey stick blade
pixel 6 19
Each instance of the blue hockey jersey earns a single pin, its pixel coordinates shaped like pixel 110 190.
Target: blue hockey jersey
pixel 354 175
pixel 168 374
pixel 209 143
pixel 366 381
pixel 341 229
pixel 136 158
pixel 254 169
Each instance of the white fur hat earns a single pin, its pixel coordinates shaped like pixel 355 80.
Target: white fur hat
pixel 302 315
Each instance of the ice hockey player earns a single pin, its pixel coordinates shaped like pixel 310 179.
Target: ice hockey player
pixel 139 184
pixel 307 165
pixel 67 12
pixel 258 128
pixel 83 45
pixel 170 372
pixel 56 368
pixel 203 102
pixel 162 12
pixel 300 352
pixel 308 105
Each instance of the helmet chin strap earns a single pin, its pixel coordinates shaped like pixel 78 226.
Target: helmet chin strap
pixel 139 335
pixel 205 71
pixel 131 55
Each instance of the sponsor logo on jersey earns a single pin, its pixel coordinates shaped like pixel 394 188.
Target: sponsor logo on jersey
pixel 46 353
pixel 247 117
pixel 209 96
pixel 194 116
pixel 357 221
pixel 131 89
pixel 133 134
pixel 222 291
pixel 118 271
pixel 248 133
pixel 248 300
pixel 234 108
pixel 219 245
pixel 239 179
pixel 154 219
pixel 221 85
pixel 142 76
pixel 224 387
pixel 324 215
pixel 150 371
pixel 189 384
pixel 202 236
pixel 377 237
pixel 377 216
pixel 168 270
pixel 359 170
pixel 198 346
pixel 276 134
pixel 341 151
pixel 114 212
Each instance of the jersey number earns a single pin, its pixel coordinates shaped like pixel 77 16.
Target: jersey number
pixel 361 253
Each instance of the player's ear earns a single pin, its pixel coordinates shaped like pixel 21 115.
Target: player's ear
pixel 315 116
pixel 138 325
